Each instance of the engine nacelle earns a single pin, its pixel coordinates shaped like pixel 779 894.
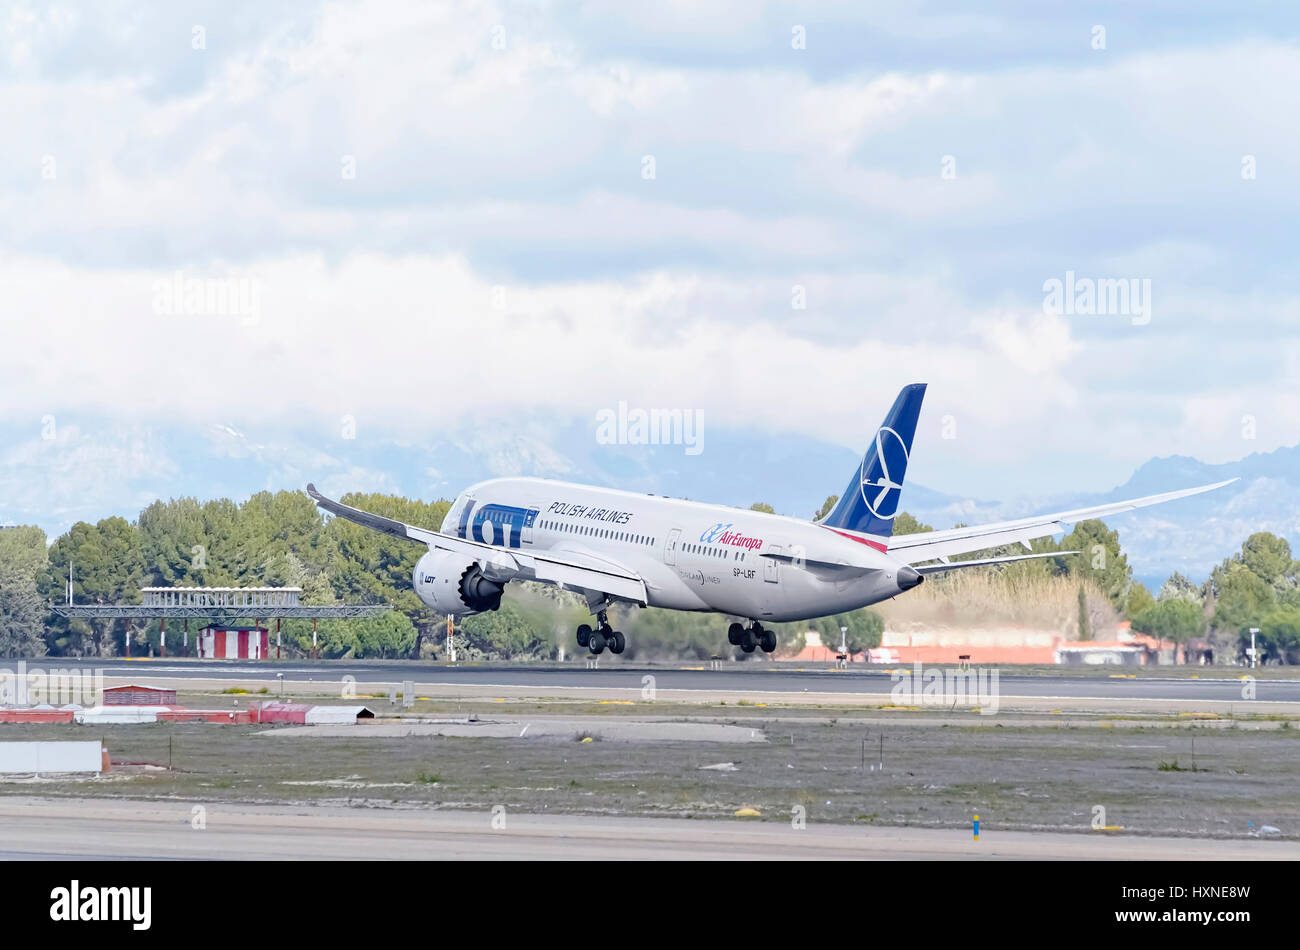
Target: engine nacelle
pixel 452 584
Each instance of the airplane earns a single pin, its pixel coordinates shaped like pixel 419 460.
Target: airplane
pixel 621 547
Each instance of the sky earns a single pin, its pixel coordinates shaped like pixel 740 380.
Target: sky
pixel 337 228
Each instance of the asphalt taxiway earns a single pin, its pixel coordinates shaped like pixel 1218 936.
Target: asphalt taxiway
pixel 1213 686
pixel 1218 692
pixel 34 829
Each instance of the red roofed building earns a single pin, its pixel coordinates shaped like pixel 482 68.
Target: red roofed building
pixel 139 696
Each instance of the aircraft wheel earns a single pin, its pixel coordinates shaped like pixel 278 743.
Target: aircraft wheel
pixel 748 641
pixel 584 635
pixel 734 633
pixel 597 643
pixel 617 642
pixel 767 641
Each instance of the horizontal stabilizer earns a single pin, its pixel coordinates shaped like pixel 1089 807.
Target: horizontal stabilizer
pixel 982 562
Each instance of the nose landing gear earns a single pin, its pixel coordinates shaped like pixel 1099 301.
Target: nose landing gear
pixel 603 636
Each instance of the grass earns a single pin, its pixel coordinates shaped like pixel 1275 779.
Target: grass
pixel 1175 767
pixel 1043 602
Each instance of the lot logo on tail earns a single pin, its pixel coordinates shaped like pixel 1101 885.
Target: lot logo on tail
pixel 881 492
pixel 873 496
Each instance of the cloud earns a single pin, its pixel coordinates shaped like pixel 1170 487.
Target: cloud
pixel 500 250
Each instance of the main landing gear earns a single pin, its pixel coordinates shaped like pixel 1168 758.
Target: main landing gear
pixel 751 637
pixel 603 636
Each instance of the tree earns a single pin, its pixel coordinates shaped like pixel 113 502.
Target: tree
pixel 107 566
pixel 23 548
pixel 1138 600
pixel 506 632
pixel 1268 557
pixel 386 636
pixel 1100 559
pixel 1180 588
pixel 1174 619
pixel 174 542
pixel 762 506
pixel 864 630
pixel 904 523
pixel 24 562
pixel 1084 626
pixel 1257 586
pixel 373 568
pixel 1243 599
pixel 826 507
pixel 22 615
pixel 1280 634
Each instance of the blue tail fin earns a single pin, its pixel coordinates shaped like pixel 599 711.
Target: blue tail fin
pixel 871 501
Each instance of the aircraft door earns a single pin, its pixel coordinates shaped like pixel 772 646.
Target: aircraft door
pixel 526 530
pixel 771 566
pixel 462 528
pixel 670 547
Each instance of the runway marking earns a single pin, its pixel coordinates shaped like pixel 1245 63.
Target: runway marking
pixel 865 696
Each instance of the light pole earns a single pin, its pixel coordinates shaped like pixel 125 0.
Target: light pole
pixel 1253 653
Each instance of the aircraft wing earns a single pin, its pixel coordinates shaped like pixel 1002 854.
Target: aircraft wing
pixel 912 548
pixel 572 569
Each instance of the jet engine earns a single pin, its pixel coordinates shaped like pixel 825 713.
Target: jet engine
pixel 453 584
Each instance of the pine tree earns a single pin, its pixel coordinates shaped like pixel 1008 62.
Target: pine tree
pixel 22 615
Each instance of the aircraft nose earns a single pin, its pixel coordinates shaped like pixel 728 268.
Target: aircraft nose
pixel 908 578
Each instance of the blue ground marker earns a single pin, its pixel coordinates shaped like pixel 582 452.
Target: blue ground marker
pixel 977 827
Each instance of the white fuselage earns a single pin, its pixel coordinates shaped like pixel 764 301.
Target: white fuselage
pixel 692 556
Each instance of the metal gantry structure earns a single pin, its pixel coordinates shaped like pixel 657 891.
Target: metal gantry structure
pixel 218 604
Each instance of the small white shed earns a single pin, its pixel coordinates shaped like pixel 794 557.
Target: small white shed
pixel 45 757
pixel 337 715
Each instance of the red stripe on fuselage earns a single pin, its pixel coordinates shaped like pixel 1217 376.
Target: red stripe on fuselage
pixel 853 537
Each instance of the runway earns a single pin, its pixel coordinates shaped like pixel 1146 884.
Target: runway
pixel 1220 687
pixel 35 829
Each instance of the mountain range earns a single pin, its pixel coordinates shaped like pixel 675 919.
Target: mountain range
pixel 95 468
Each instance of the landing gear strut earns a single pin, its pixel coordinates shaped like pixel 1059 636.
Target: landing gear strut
pixel 603 636
pixel 751 637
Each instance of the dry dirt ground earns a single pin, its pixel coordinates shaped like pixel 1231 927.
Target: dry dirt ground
pixel 1216 779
